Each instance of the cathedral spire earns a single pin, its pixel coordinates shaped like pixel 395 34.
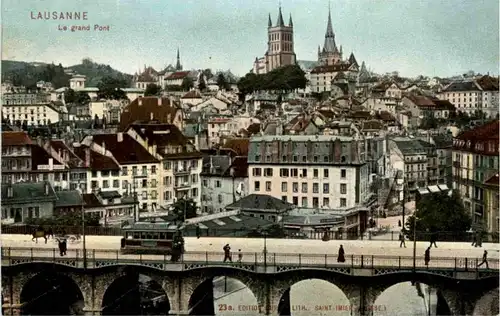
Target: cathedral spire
pixel 280 18
pixel 269 22
pixel 290 22
pixel 329 45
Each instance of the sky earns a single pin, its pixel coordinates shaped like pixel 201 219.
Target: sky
pixel 428 37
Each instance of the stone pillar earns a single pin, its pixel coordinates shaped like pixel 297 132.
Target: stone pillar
pixel 362 298
pixel 12 287
pixel 459 303
pixel 179 290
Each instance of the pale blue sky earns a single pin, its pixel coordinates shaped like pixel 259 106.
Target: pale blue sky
pixel 430 37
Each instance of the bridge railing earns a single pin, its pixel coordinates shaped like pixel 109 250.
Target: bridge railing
pixel 249 258
pixel 234 233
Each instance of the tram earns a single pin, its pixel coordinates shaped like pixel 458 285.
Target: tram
pixel 152 238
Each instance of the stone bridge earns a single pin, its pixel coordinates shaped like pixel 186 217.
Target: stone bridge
pixel 461 294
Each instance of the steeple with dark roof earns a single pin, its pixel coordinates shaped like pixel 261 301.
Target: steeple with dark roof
pixel 290 22
pixel 352 59
pixel 178 66
pixel 270 22
pixel 280 19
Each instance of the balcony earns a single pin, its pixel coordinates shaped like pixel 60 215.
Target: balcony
pixel 180 171
pixel 182 186
pixel 433 177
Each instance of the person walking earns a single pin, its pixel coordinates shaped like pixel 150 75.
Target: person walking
pixel 485 260
pixel 399 223
pixel 433 239
pixel 198 231
pixel 240 256
pixel 341 256
pixel 227 253
pixel 427 256
pixel 402 240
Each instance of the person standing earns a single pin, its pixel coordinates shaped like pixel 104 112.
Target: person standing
pixel 427 256
pixel 240 256
pixel 402 240
pixel 227 253
pixel 485 260
pixel 341 256
pixel 433 239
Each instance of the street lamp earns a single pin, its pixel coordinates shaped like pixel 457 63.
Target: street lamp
pixel 264 233
pixel 136 200
pixel 401 185
pixel 84 244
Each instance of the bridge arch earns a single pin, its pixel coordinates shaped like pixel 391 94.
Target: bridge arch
pixel 51 293
pixel 487 304
pixel 204 280
pixel 133 292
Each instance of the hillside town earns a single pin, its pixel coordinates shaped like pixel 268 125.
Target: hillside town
pixel 345 149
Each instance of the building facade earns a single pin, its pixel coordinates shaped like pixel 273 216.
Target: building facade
pixel 309 171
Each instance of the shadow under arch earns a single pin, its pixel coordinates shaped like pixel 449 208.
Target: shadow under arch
pixel 487 304
pixel 313 296
pixel 135 293
pixel 223 295
pixel 51 293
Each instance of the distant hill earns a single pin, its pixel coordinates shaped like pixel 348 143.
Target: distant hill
pixel 29 73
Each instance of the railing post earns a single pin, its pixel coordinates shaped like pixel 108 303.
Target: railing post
pixel 362 261
pixel 399 259
pixel 274 259
pixel 140 258
pixel 54 255
pixel 255 255
pixel 31 249
pixel 93 254
pixel 326 260
pixel 206 257
pixel 352 261
pixel 300 260
pixel 455 264
pixel 117 254
pixel 372 261
pixel 476 265
pixel 466 265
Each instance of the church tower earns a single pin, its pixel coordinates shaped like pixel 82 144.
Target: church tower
pixel 329 55
pixel 178 66
pixel 280 51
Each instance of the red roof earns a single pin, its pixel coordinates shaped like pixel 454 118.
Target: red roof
pixel 128 151
pixel 193 94
pixel 91 200
pixel 482 139
pixel 15 139
pixel 142 108
pixel 39 156
pixel 240 167
pixel 60 146
pixel 178 75
pixel 488 83
pixel 494 180
pixel 97 161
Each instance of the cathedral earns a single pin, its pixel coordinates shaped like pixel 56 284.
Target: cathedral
pixel 280 51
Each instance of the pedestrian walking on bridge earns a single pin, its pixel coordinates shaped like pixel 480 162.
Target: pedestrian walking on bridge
pixel 427 256
pixel 227 253
pixel 402 240
pixel 485 260
pixel 433 239
pixel 341 256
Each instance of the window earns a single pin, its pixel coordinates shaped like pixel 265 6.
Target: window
pixel 124 184
pixel 315 202
pixel 116 184
pixel 295 158
pixel 219 198
pixel 284 198
pixel 326 188
pixel 284 186
pixel 124 171
pixel 154 195
pixel 105 184
pixel 94 174
pixel 295 200
pixel 115 173
pixel 105 173
pixel 284 172
pixel 205 183
pixel 343 173
pixel 304 202
pixel 257 186
pixel 343 188
pixel 343 202
pixel 326 202
pixel 304 173
pixel 295 173
pixel 167 165
pixel 153 183
pixel 268 172
pixel 134 171
pixel 144 183
pixel 144 170
pixel 295 187
pixel 144 195
pixel 304 187
pixel 268 186
pixel 315 158
pixel 257 158
pixel 325 173
pixel 153 169
pixel 256 172
pixel 315 173
pixel 315 188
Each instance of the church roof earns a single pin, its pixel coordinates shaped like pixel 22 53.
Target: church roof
pixel 330 68
pixel 280 19
pixel 352 59
pixel 329 46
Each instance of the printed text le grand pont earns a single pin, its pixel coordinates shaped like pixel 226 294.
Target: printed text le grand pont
pixel 58 15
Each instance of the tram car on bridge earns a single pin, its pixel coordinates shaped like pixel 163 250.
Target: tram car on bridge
pixel 152 238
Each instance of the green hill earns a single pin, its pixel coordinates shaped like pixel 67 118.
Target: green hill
pixel 28 74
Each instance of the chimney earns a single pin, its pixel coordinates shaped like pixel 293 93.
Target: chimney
pixel 159 101
pixel 65 155
pixel 10 191
pixel 139 101
pixel 151 116
pixel 119 137
pixel 46 187
pixel 103 148
pixel 87 157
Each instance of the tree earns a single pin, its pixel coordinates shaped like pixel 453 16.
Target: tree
pixel 152 89
pixel 82 97
pixel 66 219
pixel 208 73
pixel 111 88
pixel 187 83
pixel 429 122
pixel 439 212
pixel 221 81
pixel 201 83
pixel 70 96
pixel 187 206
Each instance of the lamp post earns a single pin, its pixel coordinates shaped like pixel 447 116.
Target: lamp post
pixel 136 200
pixel 84 244
pixel 401 184
pixel 265 249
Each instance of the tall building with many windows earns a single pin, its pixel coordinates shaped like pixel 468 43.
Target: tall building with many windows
pixel 319 171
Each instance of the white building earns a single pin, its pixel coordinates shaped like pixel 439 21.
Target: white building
pixel 311 171
pixel 32 114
